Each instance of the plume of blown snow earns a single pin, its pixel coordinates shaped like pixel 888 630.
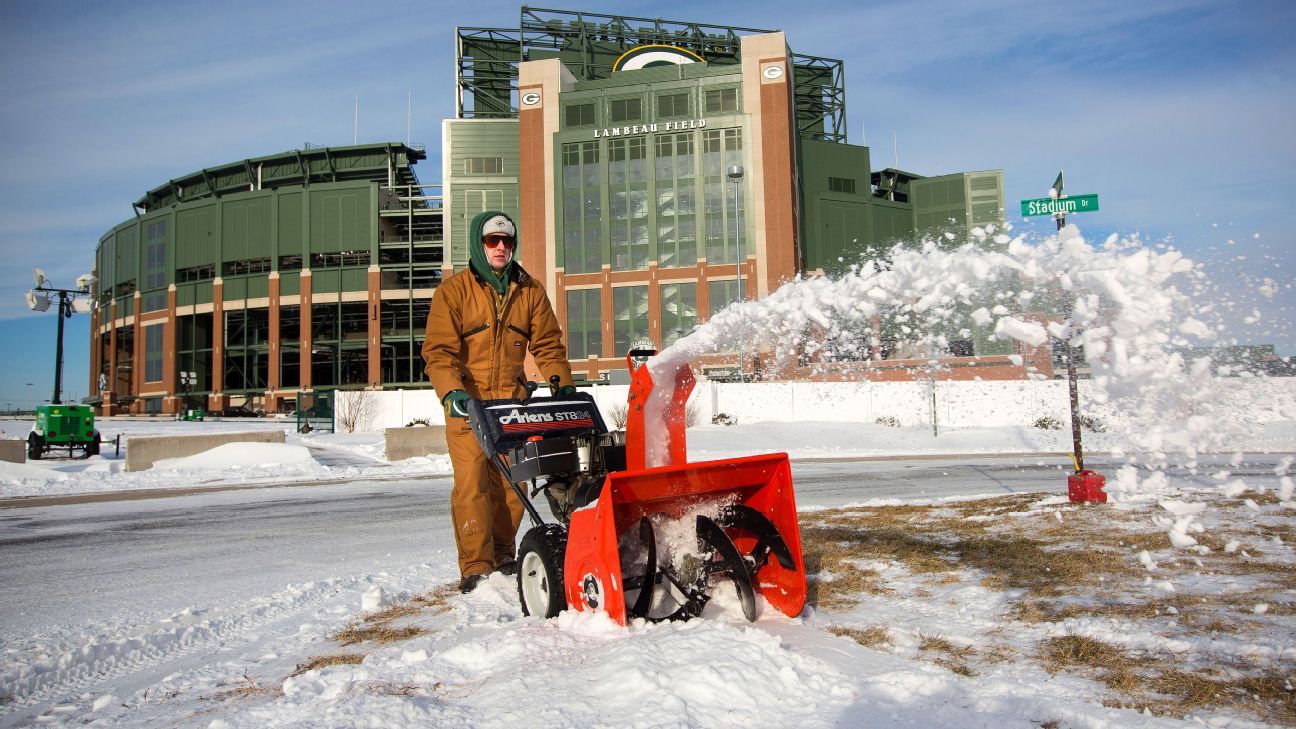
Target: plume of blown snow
pixel 1127 305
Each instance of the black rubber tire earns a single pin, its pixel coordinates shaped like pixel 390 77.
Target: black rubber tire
pixel 92 448
pixel 35 446
pixel 540 571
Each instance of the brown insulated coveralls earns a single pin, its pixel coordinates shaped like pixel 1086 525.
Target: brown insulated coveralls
pixel 477 344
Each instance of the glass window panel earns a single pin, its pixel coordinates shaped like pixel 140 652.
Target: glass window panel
pixel 630 316
pixel 721 294
pixel 593 206
pixel 665 201
pixel 593 249
pixel 584 323
pixel 678 311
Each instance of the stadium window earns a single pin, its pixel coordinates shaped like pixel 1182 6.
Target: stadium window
pixel 155 254
pixel 624 110
pixel 245 267
pixel 483 165
pixel 153 301
pixel 720 100
pixel 841 184
pixel 196 273
pixel 153 353
pixel 339 259
pixel 580 115
pixel 669 105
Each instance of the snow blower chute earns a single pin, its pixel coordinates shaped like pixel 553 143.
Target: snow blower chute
pixel 641 532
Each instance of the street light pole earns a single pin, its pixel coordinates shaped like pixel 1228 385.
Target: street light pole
pixel 736 176
pixel 64 311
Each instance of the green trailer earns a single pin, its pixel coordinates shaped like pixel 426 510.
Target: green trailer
pixel 59 427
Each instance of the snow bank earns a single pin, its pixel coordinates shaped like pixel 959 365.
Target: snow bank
pixel 240 455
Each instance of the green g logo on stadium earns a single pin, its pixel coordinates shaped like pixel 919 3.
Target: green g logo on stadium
pixel 654 55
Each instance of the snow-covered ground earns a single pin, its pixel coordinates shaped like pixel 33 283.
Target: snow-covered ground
pixel 904 648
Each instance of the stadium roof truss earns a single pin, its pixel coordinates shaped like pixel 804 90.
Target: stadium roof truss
pixel 388 161
pixel 486 61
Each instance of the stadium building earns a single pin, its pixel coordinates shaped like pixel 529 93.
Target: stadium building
pixel 658 170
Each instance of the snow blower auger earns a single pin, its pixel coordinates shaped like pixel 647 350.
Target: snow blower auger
pixel 616 494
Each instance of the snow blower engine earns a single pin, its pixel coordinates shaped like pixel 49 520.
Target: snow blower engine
pixel 640 532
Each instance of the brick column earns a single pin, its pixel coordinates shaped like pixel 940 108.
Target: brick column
pixel 305 329
pixel 771 186
pixel 607 335
pixel 274 378
pixel 375 329
pixel 170 381
pixel 654 306
pixel 703 293
pixel 539 86
pixel 137 361
pixel 215 401
pixel 109 395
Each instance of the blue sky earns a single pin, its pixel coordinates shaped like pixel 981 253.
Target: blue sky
pixel 1178 113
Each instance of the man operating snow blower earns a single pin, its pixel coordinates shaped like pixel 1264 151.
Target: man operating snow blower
pixel 482 323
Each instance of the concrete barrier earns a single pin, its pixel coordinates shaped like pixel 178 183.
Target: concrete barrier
pixel 143 451
pixel 13 451
pixel 427 440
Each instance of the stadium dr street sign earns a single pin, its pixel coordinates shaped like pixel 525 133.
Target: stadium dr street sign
pixel 1060 206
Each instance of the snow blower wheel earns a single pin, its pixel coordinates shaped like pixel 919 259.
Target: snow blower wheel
pixel 540 571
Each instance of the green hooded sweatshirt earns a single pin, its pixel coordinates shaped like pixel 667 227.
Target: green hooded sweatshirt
pixel 477 254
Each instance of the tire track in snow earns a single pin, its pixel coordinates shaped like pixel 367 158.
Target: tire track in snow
pixel 76 669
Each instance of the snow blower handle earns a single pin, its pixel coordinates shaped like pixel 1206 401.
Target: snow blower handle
pixel 553 385
pixel 530 386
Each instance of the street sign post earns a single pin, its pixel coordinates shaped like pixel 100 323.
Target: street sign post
pixel 1060 206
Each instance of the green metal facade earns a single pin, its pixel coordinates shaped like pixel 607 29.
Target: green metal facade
pixel 962 200
pixel 480 172
pixel 341 212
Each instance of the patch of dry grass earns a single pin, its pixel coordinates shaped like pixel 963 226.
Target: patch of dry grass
pixel 1065 563
pixel 937 643
pixel 871 637
pixel 1105 662
pixel 1173 692
pixel 1065 652
pixel 392 612
pixel 1161 685
pixel 381 633
pixel 954 657
pixel 337 659
pixel 377 627
pixel 929 540
pixel 248 688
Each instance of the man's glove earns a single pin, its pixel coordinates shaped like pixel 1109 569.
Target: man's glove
pixel 456 404
pixel 566 391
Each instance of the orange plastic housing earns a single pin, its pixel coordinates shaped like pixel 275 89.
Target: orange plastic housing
pixel 592 566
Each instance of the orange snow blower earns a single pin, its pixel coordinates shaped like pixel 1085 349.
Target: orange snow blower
pixel 640 532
